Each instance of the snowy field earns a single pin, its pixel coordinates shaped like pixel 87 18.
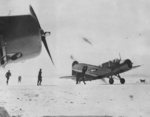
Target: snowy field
pixel 65 98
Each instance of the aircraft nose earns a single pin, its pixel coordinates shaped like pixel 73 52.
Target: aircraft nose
pixel 128 62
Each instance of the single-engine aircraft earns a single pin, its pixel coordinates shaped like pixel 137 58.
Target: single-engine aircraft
pixel 106 70
pixel 20 38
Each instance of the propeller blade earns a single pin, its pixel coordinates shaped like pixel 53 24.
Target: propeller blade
pixel 43 34
pixel 46 47
pixel 33 13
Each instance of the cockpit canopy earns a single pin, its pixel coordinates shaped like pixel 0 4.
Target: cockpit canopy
pixel 111 63
pixel 116 60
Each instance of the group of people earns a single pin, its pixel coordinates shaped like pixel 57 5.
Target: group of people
pixel 8 75
pixel 79 77
pixel 39 81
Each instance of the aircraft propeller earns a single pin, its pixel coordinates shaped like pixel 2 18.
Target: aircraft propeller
pixel 43 34
pixel 119 56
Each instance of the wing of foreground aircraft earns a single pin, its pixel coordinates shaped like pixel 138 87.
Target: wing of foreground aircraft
pixel 20 38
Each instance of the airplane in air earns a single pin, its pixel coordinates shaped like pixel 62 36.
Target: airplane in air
pixel 21 38
pixel 87 40
pixel 106 70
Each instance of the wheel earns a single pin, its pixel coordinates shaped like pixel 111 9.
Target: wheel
pixel 111 81
pixel 122 80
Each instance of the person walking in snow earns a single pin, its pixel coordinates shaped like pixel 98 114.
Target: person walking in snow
pixel 39 78
pixel 8 74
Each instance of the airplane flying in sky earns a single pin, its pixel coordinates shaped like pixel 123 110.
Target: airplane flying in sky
pixel 106 70
pixel 87 40
pixel 21 37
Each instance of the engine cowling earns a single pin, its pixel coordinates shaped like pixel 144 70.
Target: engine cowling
pixel 128 62
pixel 125 65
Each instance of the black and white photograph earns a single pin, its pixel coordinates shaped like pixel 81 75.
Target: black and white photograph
pixel 82 58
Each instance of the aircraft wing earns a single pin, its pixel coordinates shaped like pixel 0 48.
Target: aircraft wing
pixel 68 77
pixel 89 73
pixel 12 26
pixel 5 20
pixel 123 69
pixel 136 66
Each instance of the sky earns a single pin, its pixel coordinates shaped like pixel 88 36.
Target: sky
pixel 113 27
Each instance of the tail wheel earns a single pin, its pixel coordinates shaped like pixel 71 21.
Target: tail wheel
pixel 74 63
pixel 111 81
pixel 122 80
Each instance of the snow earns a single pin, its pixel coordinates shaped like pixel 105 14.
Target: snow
pixel 66 98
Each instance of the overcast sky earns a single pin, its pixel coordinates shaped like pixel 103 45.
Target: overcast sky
pixel 113 27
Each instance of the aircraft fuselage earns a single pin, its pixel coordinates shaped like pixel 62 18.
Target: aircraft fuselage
pixel 105 70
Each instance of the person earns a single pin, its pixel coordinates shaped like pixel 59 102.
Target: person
pixel 8 74
pixel 39 78
pixel 77 78
pixel 82 75
pixel 19 79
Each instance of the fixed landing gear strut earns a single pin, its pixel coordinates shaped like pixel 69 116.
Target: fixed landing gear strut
pixel 111 80
pixel 122 80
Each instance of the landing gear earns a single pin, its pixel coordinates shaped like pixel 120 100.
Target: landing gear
pixel 122 80
pixel 111 80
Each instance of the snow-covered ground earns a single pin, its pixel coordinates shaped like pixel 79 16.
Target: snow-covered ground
pixel 65 98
